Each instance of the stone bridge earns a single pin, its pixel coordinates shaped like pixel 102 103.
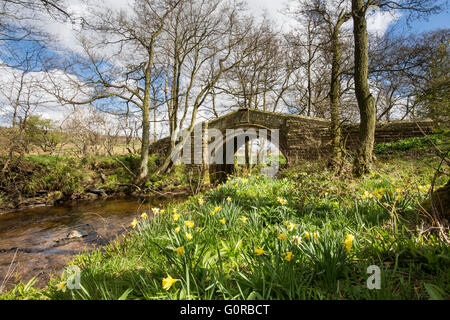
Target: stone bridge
pixel 297 137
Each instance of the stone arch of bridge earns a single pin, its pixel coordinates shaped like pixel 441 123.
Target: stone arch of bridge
pixel 223 150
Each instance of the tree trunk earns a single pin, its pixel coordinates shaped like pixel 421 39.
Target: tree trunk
pixel 366 102
pixel 335 93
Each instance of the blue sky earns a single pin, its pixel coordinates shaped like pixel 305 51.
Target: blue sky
pixel 439 21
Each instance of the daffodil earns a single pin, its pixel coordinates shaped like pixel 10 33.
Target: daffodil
pixel 228 199
pixel 189 224
pixel 399 198
pixel 307 235
pixel 398 190
pixel 168 282
pixel 177 229
pixel 62 286
pixel 348 242
pixel 291 226
pixel 188 236
pixel 201 201
pixel 379 196
pixel 288 256
pixel 212 213
pixel 134 223
pixel 175 217
pixel 281 200
pixel 296 240
pixel 144 215
pixel 259 251
pixel 281 236
pixel 180 251
pixel 217 209
pixel 223 221
pixel 174 210
pixel 381 191
pixel 244 219
pixel 155 210
pixel 315 235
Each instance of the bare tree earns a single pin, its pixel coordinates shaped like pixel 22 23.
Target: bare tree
pixel 366 101
pixel 201 38
pixel 122 74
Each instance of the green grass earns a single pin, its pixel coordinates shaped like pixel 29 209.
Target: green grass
pixel 49 175
pixel 298 222
pixel 279 216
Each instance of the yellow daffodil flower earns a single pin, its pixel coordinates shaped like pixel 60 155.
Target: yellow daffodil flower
pixel 281 200
pixel 177 229
pixel 155 210
pixel 291 226
pixel 217 209
pixel 315 235
pixel 62 286
pixel 223 221
pixel 244 219
pixel 399 198
pixel 296 240
pixel 175 217
pixel 134 223
pixel 307 235
pixel 180 251
pixel 288 256
pixel 201 201
pixel 348 242
pixel 281 236
pixel 144 215
pixel 188 236
pixel 174 210
pixel 212 213
pixel 259 251
pixel 228 199
pixel 189 224
pixel 168 282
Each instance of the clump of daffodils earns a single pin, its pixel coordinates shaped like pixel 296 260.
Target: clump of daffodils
pixel 291 226
pixel 366 195
pixel 189 224
pixel 424 189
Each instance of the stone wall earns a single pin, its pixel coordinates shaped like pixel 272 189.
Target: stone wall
pixel 303 137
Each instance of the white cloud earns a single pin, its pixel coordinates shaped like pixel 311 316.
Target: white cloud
pixel 378 22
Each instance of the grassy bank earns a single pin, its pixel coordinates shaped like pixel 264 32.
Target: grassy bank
pixel 307 235
pixel 48 179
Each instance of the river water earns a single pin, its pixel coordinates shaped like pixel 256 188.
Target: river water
pixel 39 241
